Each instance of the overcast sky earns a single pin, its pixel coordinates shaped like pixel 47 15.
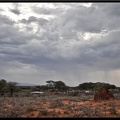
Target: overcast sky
pixel 71 42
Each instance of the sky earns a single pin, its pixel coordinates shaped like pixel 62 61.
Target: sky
pixel 71 42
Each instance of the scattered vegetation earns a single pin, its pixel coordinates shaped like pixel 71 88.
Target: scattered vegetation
pixel 17 101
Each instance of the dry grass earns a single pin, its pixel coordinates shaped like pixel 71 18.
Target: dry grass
pixel 58 106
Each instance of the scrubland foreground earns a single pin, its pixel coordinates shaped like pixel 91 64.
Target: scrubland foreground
pixel 58 106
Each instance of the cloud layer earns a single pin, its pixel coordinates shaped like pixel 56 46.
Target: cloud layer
pixel 72 42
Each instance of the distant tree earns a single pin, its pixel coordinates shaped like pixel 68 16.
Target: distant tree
pixel 11 87
pixel 35 88
pixel 3 84
pixel 95 86
pixel 44 87
pixel 50 83
pixel 57 85
pixel 112 87
pixel 86 86
pixel 99 85
pixel 60 85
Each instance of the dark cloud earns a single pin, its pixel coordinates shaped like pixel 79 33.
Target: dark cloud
pixel 40 21
pixel 108 46
pixel 12 35
pixel 5 20
pixel 17 12
pixel 77 19
pixel 15 9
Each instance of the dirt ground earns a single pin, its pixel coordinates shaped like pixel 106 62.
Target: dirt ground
pixel 59 107
pixel 91 104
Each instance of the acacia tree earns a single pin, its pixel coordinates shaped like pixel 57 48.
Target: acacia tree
pixel 95 86
pixel 51 84
pixel 57 85
pixel 60 85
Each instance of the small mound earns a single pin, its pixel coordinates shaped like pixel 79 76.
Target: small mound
pixel 103 94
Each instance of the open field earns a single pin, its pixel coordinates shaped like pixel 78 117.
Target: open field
pixel 58 106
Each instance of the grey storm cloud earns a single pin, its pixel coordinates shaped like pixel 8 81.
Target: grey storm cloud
pixel 77 19
pixel 57 47
pixel 12 36
pixel 17 12
pixel 15 9
pixel 40 21
pixel 5 21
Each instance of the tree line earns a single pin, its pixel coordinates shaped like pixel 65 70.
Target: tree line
pixel 51 85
